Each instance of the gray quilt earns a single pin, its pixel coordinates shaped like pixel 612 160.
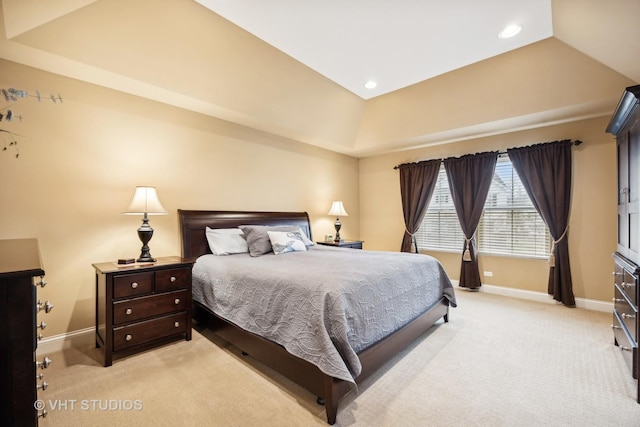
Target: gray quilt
pixel 323 305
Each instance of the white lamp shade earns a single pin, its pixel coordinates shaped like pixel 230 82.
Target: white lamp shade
pixel 145 201
pixel 337 209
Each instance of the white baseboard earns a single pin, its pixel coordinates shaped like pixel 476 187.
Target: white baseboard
pixel 588 304
pixel 84 337
pixel 79 338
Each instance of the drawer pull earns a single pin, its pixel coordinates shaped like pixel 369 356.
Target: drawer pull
pixel 128 337
pixel 42 325
pixel 134 285
pixel 40 336
pixel 176 324
pixel 626 285
pixel 177 301
pixel 39 376
pixel 615 327
pixel 128 311
pixel 42 414
pixel 173 279
pixel 42 386
pixel 42 283
pixel 625 349
pixel 618 300
pixel 628 316
pixel 44 364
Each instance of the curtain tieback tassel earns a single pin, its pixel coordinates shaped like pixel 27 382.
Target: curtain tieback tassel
pixel 466 255
pixel 552 255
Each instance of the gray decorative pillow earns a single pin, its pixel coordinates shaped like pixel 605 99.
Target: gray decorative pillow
pixel 258 239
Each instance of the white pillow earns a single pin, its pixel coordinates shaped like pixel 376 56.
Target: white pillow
pixel 226 241
pixel 286 241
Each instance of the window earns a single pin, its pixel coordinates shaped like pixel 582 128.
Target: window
pixel 509 225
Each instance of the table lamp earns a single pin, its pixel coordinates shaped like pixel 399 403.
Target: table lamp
pixel 145 202
pixel 337 210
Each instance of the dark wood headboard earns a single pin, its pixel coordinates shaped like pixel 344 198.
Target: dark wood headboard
pixel 193 224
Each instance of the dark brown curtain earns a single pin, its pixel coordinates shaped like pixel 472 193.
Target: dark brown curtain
pixel 469 181
pixel 417 181
pixel 545 172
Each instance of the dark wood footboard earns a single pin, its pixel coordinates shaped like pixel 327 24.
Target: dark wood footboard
pixel 273 355
pixel 307 375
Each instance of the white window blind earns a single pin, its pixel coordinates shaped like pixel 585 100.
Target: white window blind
pixel 510 225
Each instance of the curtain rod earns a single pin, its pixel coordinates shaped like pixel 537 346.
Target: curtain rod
pixel 503 153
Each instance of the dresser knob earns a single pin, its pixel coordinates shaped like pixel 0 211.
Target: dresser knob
pixel 173 279
pixel 134 285
pixel 615 327
pixel 128 311
pixel 39 376
pixel 625 349
pixel 44 364
pixel 128 337
pixel 618 300
pixel 177 301
pixel 42 283
pixel 42 325
pixel 42 386
pixel 176 324
pixel 628 316
pixel 40 336
pixel 42 414
pixel 47 306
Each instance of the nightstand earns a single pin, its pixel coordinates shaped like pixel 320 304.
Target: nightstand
pixel 353 244
pixel 142 305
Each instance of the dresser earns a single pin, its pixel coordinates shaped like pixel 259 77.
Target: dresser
pixel 140 306
pixel 625 125
pixel 21 374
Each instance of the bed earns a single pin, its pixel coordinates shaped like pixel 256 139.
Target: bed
pixel 316 339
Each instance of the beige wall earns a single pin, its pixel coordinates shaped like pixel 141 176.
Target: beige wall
pixel 80 161
pixel 592 226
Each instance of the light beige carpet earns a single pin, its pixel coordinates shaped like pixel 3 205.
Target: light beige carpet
pixel 498 362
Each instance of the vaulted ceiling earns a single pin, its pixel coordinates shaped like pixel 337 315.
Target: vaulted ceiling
pixel 296 69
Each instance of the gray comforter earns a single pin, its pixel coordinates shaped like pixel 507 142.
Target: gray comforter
pixel 323 305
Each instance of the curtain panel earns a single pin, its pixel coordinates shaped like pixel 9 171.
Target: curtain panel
pixel 545 172
pixel 417 182
pixel 470 178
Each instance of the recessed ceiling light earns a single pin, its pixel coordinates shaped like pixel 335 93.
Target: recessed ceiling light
pixel 510 31
pixel 370 84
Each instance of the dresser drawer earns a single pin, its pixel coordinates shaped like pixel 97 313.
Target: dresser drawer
pixel 175 278
pixel 149 306
pixel 627 345
pixel 627 282
pixel 627 312
pixel 128 285
pixel 150 330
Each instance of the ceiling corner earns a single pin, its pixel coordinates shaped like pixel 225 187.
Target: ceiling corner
pixel 24 15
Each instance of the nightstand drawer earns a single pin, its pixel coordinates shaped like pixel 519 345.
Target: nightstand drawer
pixel 132 284
pixel 175 278
pixel 150 330
pixel 149 306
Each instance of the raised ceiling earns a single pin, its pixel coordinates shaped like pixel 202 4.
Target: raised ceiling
pixel 396 44
pixel 295 69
